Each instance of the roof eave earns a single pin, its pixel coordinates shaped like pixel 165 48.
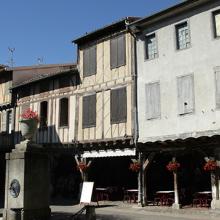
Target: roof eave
pixel 137 26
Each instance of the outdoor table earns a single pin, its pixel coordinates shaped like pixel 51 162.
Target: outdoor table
pixel 102 194
pixel 164 197
pixel 202 199
pixel 132 194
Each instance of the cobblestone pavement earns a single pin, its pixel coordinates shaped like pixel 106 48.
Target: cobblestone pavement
pixel 121 211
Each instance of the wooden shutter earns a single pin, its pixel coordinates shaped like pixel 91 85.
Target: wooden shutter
pixel 4 121
pixel 64 111
pixel 92 110
pixel 185 94
pixel 217 85
pixel 85 111
pixel 118 105
pixel 86 62
pixel 121 51
pixel 92 60
pixel 114 106
pixel 89 61
pixel 89 111
pixel 152 92
pixel 113 53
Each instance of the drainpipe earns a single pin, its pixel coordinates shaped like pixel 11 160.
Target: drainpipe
pixel 135 113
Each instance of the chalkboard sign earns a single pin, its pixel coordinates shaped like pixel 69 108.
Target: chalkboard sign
pixel 86 194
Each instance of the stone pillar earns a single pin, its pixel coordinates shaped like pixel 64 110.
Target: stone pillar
pixel 144 185
pixel 176 204
pixel 140 176
pixel 27 183
pixel 215 182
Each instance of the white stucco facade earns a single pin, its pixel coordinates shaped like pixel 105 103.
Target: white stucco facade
pixel 200 60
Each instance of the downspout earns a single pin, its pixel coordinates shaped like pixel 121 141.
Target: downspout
pixel 135 114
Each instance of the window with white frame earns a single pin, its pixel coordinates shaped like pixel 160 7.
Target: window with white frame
pixel 216 22
pixel 151 46
pixel 152 92
pixel 182 36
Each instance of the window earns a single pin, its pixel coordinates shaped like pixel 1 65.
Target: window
pixel 152 91
pixel 118 105
pixel 182 36
pixel 117 52
pixel 64 112
pixel 216 21
pixel 89 61
pixel 151 46
pixel 185 86
pixel 43 114
pixel 89 111
pixel 217 85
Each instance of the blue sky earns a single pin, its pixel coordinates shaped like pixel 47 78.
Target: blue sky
pixel 45 28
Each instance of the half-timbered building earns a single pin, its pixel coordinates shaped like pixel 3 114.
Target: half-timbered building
pixel 49 90
pixel 105 111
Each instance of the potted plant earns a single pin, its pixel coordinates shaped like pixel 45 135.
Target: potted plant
pixel 29 120
pixel 135 166
pixel 210 165
pixel 173 166
pixel 82 166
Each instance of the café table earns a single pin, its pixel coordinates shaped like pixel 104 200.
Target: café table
pixel 102 194
pixel 165 197
pixel 202 199
pixel 131 195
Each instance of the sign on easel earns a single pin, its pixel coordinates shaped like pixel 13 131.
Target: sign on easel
pixel 86 194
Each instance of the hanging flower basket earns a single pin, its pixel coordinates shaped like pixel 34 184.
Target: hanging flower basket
pixel 211 165
pixel 28 123
pixel 135 167
pixel 82 166
pixel 173 166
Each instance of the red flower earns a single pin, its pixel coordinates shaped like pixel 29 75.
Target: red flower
pixel 29 114
pixel 135 167
pixel 82 166
pixel 172 166
pixel 211 165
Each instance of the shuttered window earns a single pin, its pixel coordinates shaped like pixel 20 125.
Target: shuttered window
pixel 117 51
pixel 89 111
pixel 217 84
pixel 43 114
pixel 118 105
pixel 89 61
pixel 216 21
pixel 64 112
pixel 152 92
pixel 185 86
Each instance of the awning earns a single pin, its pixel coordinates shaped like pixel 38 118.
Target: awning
pixel 109 153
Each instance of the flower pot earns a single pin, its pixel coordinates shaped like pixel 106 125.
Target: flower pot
pixel 28 128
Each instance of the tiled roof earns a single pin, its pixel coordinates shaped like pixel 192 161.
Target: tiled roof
pixel 30 74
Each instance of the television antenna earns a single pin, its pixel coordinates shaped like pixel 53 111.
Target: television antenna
pixel 11 58
pixel 40 60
